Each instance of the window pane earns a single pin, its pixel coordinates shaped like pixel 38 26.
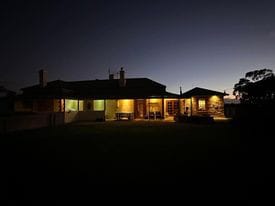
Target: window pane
pixel 70 105
pixel 80 105
pixel 98 105
pixel 201 104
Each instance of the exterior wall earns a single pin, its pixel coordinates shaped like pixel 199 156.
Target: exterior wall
pixel 23 106
pixel 185 107
pixel 90 116
pixel 70 116
pixel 84 116
pixel 25 122
pixel 195 110
pixel 43 105
pixel 214 106
pixel 110 109
pixel 181 105
pixel 56 105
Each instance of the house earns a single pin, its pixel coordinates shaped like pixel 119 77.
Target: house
pixel 122 98
pixel 115 99
pixel 202 102
pixel 6 101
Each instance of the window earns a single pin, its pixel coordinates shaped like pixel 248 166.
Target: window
pixel 201 104
pixel 73 105
pixel 172 107
pixel 80 105
pixel 98 105
pixel 70 105
pixel 125 106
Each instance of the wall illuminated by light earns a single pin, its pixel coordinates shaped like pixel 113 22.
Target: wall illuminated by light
pixel 98 105
pixel 187 103
pixel 125 105
pixel 214 99
pixel 111 108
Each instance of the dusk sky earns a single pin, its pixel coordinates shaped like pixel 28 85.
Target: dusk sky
pixel 192 43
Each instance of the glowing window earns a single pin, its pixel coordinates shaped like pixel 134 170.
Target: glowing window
pixel 98 105
pixel 201 104
pixel 80 105
pixel 70 105
pixel 125 105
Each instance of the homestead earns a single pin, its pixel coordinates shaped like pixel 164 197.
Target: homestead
pixel 115 99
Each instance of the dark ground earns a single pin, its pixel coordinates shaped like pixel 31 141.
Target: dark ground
pixel 220 159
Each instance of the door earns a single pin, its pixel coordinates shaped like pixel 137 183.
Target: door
pixel 140 108
pixel 172 107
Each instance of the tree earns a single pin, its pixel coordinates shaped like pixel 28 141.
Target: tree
pixel 257 87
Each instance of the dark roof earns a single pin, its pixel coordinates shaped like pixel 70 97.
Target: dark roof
pixel 197 91
pixel 135 88
pixel 4 92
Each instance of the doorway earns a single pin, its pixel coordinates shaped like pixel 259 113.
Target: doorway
pixel 172 107
pixel 140 108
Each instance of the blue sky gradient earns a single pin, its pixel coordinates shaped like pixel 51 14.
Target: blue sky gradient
pixel 177 43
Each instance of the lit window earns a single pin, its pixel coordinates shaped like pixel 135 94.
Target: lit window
pixel 70 105
pixel 201 104
pixel 80 105
pixel 98 105
pixel 125 106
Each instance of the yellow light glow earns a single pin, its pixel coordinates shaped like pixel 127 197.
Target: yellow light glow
pixel 125 106
pixel 154 105
pixel 80 105
pixel 99 105
pixel 154 100
pixel 201 104
pixel 70 105
pixel 214 98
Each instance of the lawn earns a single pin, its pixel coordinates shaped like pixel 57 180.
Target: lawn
pixel 206 157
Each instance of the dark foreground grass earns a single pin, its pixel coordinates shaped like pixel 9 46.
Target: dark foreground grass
pixel 210 159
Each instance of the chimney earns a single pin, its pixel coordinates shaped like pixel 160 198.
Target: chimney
pixel 180 91
pixel 111 76
pixel 43 78
pixel 122 80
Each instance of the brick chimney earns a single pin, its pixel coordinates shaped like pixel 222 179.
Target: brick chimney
pixel 122 80
pixel 43 78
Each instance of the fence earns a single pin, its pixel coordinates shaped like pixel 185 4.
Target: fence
pixel 30 121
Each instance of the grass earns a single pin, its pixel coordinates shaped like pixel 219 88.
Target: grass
pixel 134 153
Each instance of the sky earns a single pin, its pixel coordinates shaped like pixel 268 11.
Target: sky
pixel 183 43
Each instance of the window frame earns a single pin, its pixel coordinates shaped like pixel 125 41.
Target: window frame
pixel 101 109
pixel 200 108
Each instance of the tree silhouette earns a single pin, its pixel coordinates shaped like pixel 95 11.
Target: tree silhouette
pixel 258 87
